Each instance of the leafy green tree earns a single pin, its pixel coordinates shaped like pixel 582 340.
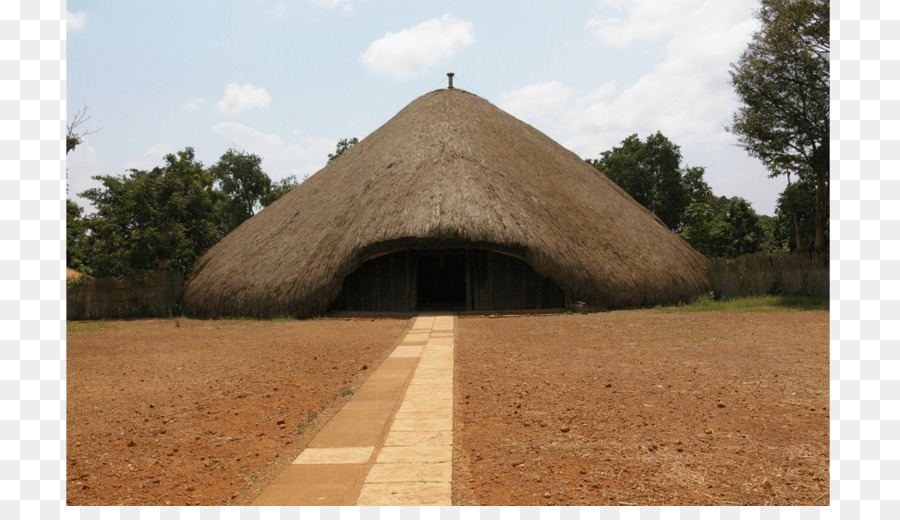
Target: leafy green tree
pixel 279 189
pixel 244 184
pixel 723 227
pixel 342 146
pixel 76 238
pixel 160 218
pixel 772 242
pixel 782 80
pixel 704 226
pixel 743 232
pixel 795 226
pixel 651 172
pixel 696 187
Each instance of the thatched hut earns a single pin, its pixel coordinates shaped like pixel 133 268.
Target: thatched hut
pixel 455 204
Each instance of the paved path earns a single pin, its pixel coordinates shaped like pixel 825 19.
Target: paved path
pixel 392 443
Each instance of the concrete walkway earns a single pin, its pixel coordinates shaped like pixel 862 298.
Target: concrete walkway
pixel 392 443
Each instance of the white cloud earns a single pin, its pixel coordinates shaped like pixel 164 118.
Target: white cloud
pixel 82 163
pixel 343 4
pixel 76 22
pixel 152 157
pixel 411 52
pixel 687 96
pixel 649 20
pixel 239 98
pixel 194 104
pixel 280 158
pixel 537 101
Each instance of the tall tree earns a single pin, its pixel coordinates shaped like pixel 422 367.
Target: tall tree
pixel 782 82
pixel 244 183
pixel 76 221
pixel 795 222
pixel 650 171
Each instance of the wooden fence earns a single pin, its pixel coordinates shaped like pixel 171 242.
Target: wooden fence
pixel 758 274
pixel 149 295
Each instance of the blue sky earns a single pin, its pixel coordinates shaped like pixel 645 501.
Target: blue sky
pixel 286 79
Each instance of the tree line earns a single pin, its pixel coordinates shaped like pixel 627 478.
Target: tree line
pixel 652 173
pixel 168 216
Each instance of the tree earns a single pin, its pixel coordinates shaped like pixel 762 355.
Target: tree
pixel 244 184
pixel 650 171
pixel 279 189
pixel 76 222
pixel 696 187
pixel 76 238
pixel 795 224
pixel 74 136
pixel 723 227
pixel 342 146
pixel 782 82
pixel 153 219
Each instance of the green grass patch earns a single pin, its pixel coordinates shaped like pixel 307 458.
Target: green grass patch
pixel 92 326
pixel 753 304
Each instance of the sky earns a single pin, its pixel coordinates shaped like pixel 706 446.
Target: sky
pixel 287 79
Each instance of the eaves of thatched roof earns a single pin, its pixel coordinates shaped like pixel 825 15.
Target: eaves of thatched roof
pixel 449 170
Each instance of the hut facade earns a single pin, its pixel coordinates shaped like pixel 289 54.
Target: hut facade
pixel 452 204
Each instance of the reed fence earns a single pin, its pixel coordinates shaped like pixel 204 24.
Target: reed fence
pixel 148 295
pixel 758 274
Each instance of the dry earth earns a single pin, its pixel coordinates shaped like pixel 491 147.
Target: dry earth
pixel 642 408
pixel 187 412
pixel 634 407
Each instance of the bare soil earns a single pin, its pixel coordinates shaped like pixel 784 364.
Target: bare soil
pixel 642 408
pixel 632 407
pixel 188 412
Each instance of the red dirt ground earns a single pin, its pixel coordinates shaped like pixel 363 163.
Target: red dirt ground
pixel 642 408
pixel 187 412
pixel 632 407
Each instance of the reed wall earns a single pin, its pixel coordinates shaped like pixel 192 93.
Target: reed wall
pixel 148 295
pixel 758 274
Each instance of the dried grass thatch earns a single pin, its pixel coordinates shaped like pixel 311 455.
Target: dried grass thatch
pixel 449 170
pixel 72 275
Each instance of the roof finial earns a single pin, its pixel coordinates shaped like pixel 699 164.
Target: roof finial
pixel 450 77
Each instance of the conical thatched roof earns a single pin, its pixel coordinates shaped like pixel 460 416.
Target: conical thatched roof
pixel 449 170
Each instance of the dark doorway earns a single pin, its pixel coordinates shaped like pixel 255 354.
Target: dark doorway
pixel 447 279
pixel 441 281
